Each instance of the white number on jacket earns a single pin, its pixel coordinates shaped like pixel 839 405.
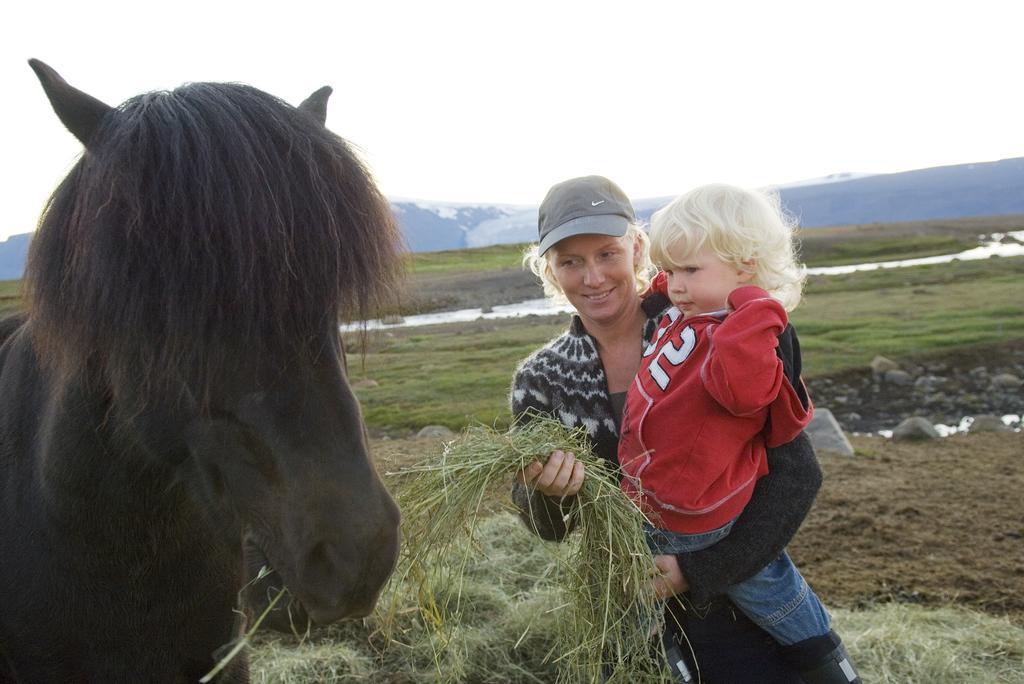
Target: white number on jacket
pixel 673 355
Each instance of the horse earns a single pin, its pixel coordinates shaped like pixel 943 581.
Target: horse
pixel 176 386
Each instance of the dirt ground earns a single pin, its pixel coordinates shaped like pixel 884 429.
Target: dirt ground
pixel 932 523
pixel 469 290
pixel 474 289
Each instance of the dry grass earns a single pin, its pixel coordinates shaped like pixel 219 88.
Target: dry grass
pixel 502 630
pixel 506 631
pixel 603 606
pixel 907 644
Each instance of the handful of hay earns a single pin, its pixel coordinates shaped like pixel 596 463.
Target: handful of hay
pixel 603 571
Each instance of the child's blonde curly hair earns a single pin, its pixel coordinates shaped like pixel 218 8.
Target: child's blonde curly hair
pixel 746 228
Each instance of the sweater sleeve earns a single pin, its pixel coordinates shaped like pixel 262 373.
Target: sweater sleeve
pixel 791 411
pixel 779 505
pixel 742 371
pixel 544 515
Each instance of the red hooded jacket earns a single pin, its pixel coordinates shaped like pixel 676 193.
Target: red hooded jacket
pixel 711 394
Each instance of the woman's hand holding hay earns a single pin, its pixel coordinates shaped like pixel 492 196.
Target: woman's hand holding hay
pixel 670 580
pixel 559 477
pixel 603 576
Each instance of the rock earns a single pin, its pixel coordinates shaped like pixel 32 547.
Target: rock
pixel 826 434
pixel 1006 381
pixel 880 364
pixel 365 383
pixel 978 373
pixel 929 382
pixel 898 377
pixel 988 423
pixel 916 428
pixel 486 309
pixel 435 431
pixel 971 402
pixel 392 319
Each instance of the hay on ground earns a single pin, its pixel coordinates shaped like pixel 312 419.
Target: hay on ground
pixel 509 638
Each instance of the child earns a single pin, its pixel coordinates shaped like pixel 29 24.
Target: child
pixel 719 382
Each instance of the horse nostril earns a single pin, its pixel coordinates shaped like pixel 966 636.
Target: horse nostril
pixel 321 567
pixel 318 559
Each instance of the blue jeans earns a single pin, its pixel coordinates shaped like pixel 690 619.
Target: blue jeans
pixel 777 598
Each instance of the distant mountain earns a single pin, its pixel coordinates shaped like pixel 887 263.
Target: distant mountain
pixel 13 252
pixel 985 189
pixel 982 189
pixel 433 226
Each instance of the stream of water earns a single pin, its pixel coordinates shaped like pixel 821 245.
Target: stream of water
pixel 993 246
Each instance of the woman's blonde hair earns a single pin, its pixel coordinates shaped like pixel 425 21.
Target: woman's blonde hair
pixel 540 264
pixel 747 228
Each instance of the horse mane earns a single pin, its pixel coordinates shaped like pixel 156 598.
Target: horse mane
pixel 199 222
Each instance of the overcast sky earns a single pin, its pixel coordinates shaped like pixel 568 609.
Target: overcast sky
pixel 493 102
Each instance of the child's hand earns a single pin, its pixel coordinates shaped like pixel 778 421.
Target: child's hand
pixel 561 476
pixel 671 581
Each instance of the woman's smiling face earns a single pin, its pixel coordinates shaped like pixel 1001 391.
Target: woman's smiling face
pixel 597 273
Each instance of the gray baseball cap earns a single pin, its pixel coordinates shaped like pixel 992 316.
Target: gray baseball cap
pixel 580 206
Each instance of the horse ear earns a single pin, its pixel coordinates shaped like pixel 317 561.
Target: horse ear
pixel 79 111
pixel 316 104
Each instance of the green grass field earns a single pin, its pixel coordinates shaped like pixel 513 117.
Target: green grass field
pixel 10 296
pixel 455 374
pixel 884 249
pixel 846 320
pixel 462 260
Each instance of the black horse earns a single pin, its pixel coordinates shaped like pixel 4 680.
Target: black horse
pixel 178 385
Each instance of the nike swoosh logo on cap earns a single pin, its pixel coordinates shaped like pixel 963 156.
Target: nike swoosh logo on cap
pixel 594 204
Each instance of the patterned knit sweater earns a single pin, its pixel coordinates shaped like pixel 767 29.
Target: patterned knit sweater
pixel 565 379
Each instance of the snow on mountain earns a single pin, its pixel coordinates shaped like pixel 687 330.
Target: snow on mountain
pixel 825 180
pixel 431 226
pixel 517 226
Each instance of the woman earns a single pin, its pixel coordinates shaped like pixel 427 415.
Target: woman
pixel 592 252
